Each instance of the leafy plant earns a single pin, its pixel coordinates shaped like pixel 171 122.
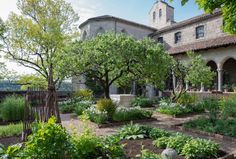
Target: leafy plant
pixel 84 94
pixel 128 114
pixel 11 152
pixel 177 142
pixel 141 102
pixel 106 105
pixel 96 115
pixel 175 110
pixel 199 148
pixel 48 140
pixel 186 99
pixel 147 154
pixel 133 131
pixel 212 106
pixel 12 108
pixel 161 142
pixel 82 106
pixel 156 133
pixel 228 107
pixel 67 108
pixel 11 130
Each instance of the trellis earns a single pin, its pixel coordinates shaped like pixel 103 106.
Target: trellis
pixel 35 110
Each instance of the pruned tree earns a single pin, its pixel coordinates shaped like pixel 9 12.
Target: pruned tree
pixel 37 37
pixel 110 57
pixel 195 71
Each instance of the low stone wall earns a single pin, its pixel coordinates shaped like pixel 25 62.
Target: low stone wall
pixel 122 99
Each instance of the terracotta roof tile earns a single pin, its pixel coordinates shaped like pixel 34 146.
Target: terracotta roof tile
pixel 204 44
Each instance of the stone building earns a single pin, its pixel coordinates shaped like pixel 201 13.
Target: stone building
pixel 202 34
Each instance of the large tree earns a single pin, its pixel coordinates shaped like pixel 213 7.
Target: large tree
pixel 110 57
pixel 37 37
pixel 228 8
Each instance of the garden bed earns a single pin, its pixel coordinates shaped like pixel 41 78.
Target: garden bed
pixel 7 141
pixel 116 123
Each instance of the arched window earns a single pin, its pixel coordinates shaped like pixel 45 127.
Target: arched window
pixel 84 35
pixel 178 37
pixel 154 16
pixel 100 31
pixel 160 12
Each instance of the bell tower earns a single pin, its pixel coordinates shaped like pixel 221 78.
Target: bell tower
pixel 161 15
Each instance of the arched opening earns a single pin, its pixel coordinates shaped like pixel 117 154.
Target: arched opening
pixel 84 35
pixel 213 67
pixel 100 31
pixel 154 16
pixel 229 74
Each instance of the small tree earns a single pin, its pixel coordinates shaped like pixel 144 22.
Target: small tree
pixel 32 81
pixel 37 37
pixel 110 57
pixel 195 72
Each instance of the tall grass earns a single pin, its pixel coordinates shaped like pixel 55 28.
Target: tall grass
pixel 12 108
pixel 11 130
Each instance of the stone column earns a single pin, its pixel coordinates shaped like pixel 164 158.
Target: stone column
pixel 174 80
pixel 220 79
pixel 202 88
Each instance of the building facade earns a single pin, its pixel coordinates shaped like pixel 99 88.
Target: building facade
pixel 202 34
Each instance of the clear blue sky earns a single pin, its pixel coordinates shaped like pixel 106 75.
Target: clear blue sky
pixel 137 10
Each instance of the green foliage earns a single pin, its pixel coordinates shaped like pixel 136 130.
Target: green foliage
pixel 11 130
pixel 177 142
pixel 96 116
pixel 133 131
pixel 199 148
pixel 146 154
pixel 141 102
pixel 156 133
pixel 228 107
pixel 219 126
pixel 198 72
pixel 11 152
pixel 128 114
pixel 117 56
pixel 174 111
pixel 12 108
pixel 80 107
pixel 106 105
pixel 186 99
pixel 161 142
pixel 67 108
pixel 32 81
pixel 212 106
pixel 49 140
pixel 84 94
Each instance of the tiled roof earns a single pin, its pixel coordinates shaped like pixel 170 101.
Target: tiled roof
pixel 109 17
pixel 204 44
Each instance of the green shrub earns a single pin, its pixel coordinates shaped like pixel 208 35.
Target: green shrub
pixel 199 148
pixel 11 152
pixel 225 127
pixel 67 108
pixel 82 106
pixel 84 94
pixel 48 140
pixel 186 99
pixel 133 131
pixel 128 114
pixel 106 105
pixel 156 133
pixel 141 102
pixel 228 107
pixel 212 106
pixel 12 108
pixel 161 142
pixel 147 154
pixel 175 111
pixel 96 116
pixel 11 130
pixel 177 142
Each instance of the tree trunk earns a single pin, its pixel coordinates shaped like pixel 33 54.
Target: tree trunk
pixel 51 98
pixel 107 92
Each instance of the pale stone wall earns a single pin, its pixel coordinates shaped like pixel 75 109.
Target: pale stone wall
pixel 213 29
